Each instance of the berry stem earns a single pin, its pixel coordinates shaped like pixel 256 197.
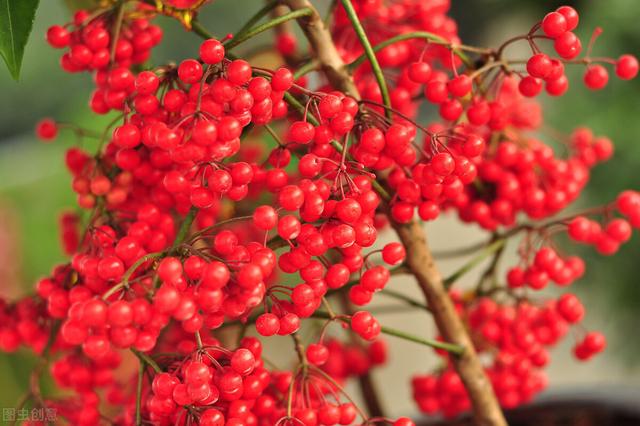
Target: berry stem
pixel 204 231
pixel 299 347
pixel 124 283
pixel 291 100
pixel 380 190
pixel 370 53
pixel 330 379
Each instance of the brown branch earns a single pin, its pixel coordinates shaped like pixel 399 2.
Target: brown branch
pixel 420 261
pixel 325 51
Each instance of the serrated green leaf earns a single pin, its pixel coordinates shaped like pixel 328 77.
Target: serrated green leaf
pixel 16 21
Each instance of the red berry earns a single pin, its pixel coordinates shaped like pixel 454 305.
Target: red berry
pixel 570 15
pixel 568 45
pixel 420 72
pixel 596 77
pixel 539 66
pixel 239 72
pixel 627 67
pixel 393 253
pixel 190 71
pixel 317 353
pixel 460 86
pixel 211 51
pixel 554 24
pixel 267 324
pixel 47 129
pixel 530 86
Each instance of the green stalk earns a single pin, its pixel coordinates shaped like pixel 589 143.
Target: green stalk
pixel 475 261
pixel 184 228
pixel 312 65
pixel 257 17
pixel 252 32
pixel 146 359
pixel 433 38
pixel 407 299
pixel 449 347
pixel 291 100
pixel 199 29
pixel 371 55
pixel 139 394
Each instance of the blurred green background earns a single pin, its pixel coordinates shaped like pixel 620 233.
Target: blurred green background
pixel 34 185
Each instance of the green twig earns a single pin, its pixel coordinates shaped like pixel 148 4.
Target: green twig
pixel 146 359
pixel 291 100
pixel 433 38
pixel 449 347
pixel 139 394
pixel 492 248
pixel 252 32
pixel 407 299
pixel 199 29
pixel 257 17
pixel 124 283
pixel 184 228
pixel 370 53
pixel 305 69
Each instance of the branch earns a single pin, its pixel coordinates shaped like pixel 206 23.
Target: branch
pixel 325 51
pixel 486 408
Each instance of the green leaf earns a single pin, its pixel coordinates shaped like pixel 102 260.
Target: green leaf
pixel 16 21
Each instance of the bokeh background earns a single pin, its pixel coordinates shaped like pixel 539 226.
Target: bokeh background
pixel 34 185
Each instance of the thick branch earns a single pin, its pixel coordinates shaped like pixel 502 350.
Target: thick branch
pixel 420 261
pixel 325 51
pixel 486 408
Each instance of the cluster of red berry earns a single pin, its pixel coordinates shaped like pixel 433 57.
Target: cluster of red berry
pixel 518 339
pixel 194 229
pixel 108 46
